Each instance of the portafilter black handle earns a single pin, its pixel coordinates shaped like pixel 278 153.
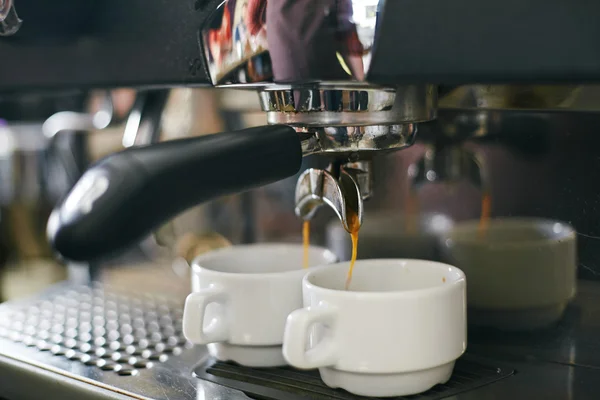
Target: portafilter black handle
pixel 122 198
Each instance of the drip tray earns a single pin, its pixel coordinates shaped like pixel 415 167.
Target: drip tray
pixel 288 383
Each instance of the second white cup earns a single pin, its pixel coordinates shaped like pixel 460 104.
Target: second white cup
pixel 241 298
pixel 397 331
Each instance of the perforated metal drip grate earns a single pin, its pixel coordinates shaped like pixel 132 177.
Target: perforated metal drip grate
pixel 288 383
pixel 109 329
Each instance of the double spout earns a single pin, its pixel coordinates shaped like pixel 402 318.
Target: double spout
pixel 342 188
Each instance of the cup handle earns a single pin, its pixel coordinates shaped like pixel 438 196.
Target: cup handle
pixel 193 317
pixel 296 332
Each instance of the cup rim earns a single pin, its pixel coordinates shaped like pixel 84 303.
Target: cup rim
pixel 568 233
pixel 389 294
pixel 211 255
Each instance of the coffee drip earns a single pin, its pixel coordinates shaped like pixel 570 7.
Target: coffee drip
pixel 306 243
pixel 354 225
pixel 486 209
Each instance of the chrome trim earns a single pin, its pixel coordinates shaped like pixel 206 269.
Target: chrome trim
pixel 488 98
pixel 316 188
pixel 356 142
pixel 323 104
pixel 264 86
pixel 362 172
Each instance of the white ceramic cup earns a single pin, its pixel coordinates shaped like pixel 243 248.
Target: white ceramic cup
pixel 397 331
pixel 241 298
pixel 522 272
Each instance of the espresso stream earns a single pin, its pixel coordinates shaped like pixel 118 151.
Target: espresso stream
pixel 354 225
pixel 306 241
pixel 411 212
pixel 486 210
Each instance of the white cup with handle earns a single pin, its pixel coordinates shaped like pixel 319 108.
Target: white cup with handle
pixel 522 271
pixel 241 297
pixel 397 331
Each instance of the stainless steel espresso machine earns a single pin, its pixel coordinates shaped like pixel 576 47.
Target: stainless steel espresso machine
pixel 378 95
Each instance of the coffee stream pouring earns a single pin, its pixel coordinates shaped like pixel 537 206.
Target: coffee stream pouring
pixel 314 86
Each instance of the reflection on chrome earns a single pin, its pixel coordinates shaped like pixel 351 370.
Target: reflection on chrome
pixel 357 142
pixel 557 227
pixel 339 103
pixel 248 41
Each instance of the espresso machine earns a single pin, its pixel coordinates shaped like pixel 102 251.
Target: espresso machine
pixel 360 97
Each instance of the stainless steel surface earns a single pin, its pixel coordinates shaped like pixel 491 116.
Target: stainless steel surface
pixel 449 164
pixel 9 20
pixel 124 342
pixel 316 188
pixel 356 142
pixel 345 104
pixel 362 173
pixel 342 187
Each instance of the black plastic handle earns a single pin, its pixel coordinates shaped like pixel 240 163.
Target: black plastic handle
pixel 122 198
